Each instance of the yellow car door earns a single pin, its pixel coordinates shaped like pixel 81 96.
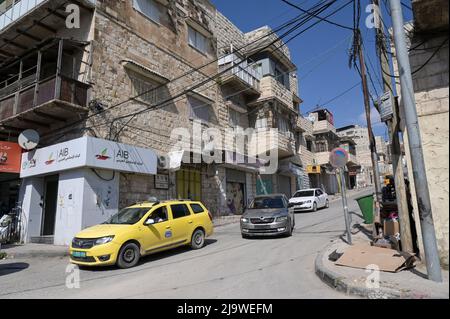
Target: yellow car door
pixel 157 233
pixel 181 223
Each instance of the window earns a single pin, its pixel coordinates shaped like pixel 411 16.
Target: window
pixel 144 89
pixel 283 125
pixel 318 192
pixel 127 216
pixel 197 40
pixel 199 110
pixel 159 215
pixel 261 123
pixel 179 211
pixel 235 118
pixel 197 209
pixel 309 145
pixel 148 8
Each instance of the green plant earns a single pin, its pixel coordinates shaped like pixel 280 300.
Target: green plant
pixel 2 255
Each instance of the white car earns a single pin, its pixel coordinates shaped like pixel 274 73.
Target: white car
pixel 309 200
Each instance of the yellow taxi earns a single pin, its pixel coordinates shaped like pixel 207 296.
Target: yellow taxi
pixel 140 230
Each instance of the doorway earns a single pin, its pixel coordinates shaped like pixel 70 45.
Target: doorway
pixel 50 204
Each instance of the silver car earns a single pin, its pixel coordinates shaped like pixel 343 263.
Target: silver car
pixel 268 215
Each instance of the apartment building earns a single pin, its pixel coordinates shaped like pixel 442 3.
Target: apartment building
pixel 429 59
pixel 360 136
pixel 322 174
pixel 106 98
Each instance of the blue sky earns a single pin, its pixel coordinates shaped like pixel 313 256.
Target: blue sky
pixel 320 53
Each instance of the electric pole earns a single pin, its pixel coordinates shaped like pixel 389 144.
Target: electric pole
pixel 373 145
pixel 393 125
pixel 415 145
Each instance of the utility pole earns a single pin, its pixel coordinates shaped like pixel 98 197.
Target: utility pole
pixel 373 145
pixel 415 145
pixel 393 125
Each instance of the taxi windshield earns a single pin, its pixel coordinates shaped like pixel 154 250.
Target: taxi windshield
pixel 127 216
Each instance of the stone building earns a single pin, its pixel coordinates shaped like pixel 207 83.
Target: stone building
pixel 360 135
pixel 429 58
pixel 148 77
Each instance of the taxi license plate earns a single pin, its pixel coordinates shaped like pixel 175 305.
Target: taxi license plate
pixel 79 254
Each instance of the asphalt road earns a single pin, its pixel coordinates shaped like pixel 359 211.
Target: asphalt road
pixel 228 267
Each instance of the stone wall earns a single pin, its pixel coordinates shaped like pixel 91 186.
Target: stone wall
pixel 432 102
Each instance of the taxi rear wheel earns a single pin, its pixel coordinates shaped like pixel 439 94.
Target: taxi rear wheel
pixel 198 239
pixel 128 256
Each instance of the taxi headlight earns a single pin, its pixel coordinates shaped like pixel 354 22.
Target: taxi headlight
pixel 103 240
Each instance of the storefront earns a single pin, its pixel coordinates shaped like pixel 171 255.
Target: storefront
pixel 236 189
pixel 10 157
pixel 73 185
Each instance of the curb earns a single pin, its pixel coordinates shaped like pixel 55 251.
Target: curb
pixel 343 284
pixel 35 254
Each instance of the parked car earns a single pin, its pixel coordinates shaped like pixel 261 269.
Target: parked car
pixel 268 215
pixel 309 200
pixel 141 230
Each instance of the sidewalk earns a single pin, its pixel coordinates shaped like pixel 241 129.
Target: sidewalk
pixel 34 251
pixel 406 284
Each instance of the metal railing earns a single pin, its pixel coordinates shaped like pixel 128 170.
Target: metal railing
pixel 11 226
pixel 243 70
pixel 12 10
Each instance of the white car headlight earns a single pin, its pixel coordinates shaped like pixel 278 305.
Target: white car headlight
pixel 309 201
pixel 244 220
pixel 103 240
pixel 282 219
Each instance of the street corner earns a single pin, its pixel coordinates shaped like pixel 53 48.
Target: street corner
pixel 376 275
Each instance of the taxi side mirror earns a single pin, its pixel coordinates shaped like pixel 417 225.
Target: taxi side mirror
pixel 149 222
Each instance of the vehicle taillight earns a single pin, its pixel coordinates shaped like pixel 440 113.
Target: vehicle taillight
pixel 210 216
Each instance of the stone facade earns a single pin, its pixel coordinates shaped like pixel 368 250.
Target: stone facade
pixel 432 103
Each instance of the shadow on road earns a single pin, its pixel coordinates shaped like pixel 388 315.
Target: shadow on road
pixel 7 269
pixel 150 258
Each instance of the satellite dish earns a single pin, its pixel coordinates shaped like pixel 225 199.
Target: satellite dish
pixel 29 139
pixel 311 118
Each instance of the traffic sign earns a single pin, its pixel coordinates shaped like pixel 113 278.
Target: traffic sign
pixel 339 158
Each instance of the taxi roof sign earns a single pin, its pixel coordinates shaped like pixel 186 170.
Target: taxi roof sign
pixel 339 157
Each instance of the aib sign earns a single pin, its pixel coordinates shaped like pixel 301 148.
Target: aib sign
pixel 339 158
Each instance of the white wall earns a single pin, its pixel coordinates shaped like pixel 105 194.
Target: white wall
pixel 30 194
pixel 84 200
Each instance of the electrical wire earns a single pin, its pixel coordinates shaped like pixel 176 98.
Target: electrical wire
pixel 316 16
pixel 283 26
pixel 162 104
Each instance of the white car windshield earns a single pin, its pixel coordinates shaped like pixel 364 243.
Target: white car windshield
pixel 304 194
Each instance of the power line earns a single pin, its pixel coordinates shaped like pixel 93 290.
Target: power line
pixel 316 16
pixel 283 26
pixel 162 104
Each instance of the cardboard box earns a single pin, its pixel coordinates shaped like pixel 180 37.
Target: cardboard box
pixel 363 255
pixel 391 228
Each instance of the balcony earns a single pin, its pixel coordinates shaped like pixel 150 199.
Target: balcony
pixel 242 76
pixel 267 140
pixel 271 89
pixel 25 24
pixel 322 158
pixel 304 125
pixel 44 88
pixel 320 127
pixel 306 156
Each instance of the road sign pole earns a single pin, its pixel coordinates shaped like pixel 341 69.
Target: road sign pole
pixel 345 205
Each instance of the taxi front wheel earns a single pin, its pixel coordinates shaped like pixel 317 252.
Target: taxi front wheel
pixel 198 239
pixel 128 256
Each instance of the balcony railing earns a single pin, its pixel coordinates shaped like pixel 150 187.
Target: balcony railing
pixel 306 156
pixel 304 125
pixel 271 88
pixel 270 140
pixel 26 97
pixel 322 158
pixel 323 127
pixel 242 72
pixel 12 10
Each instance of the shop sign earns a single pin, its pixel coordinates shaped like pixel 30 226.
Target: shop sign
pixel 88 152
pixel 162 181
pixel 386 106
pixel 313 169
pixel 10 156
